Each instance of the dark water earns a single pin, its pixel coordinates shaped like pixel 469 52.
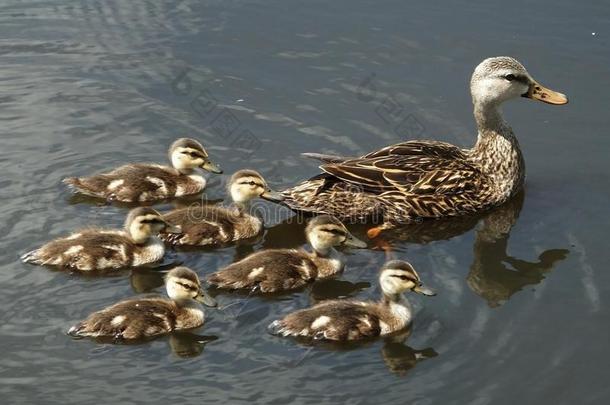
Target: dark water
pixel 522 312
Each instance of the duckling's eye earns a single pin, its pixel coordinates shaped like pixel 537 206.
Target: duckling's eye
pixel 187 286
pixel 510 77
pixel 252 183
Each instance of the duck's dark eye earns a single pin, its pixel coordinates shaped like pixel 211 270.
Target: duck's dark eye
pixel 252 183
pixel 510 77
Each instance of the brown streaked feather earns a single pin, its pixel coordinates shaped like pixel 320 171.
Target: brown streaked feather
pixel 415 179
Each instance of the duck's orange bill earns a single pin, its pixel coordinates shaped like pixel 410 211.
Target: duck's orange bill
pixel 541 93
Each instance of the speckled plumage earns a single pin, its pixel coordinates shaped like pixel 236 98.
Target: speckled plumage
pixel 139 182
pixel 429 179
pixel 342 320
pixel 210 225
pixel 205 225
pixel 100 249
pixel 277 270
pixel 148 316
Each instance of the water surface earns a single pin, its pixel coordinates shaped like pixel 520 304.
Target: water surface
pixel 521 314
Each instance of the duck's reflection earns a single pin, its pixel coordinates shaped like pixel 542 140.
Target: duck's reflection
pixel 494 274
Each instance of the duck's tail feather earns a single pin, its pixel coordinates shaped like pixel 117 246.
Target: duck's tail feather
pixel 325 158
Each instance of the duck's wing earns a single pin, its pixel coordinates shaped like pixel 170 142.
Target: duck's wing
pixel 331 320
pixel 269 270
pixel 129 319
pixel 426 167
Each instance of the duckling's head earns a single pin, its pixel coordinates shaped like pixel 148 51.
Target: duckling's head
pixel 182 284
pixel 144 222
pixel 325 231
pixel 246 185
pixel 398 276
pixel 187 154
pixel 501 78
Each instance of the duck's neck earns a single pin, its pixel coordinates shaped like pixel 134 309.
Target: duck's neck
pixel 497 151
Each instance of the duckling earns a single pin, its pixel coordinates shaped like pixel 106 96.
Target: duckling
pixel 342 320
pixel 104 249
pixel 277 270
pixel 139 318
pixel 138 182
pixel 213 225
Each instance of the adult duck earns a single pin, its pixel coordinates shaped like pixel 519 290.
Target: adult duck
pixel 430 179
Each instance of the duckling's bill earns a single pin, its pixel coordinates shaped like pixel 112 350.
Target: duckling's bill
pixel 171 228
pixel 352 241
pixel 272 195
pixel 423 290
pixel 206 299
pixel 211 167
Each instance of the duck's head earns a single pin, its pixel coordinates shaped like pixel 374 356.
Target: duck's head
pixel 398 276
pixel 188 154
pixel 501 78
pixel 324 232
pixel 246 185
pixel 144 222
pixel 182 284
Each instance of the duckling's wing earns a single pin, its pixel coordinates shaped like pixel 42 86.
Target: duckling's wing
pixel 330 320
pixel 86 250
pixel 129 183
pixel 200 225
pixel 270 270
pixel 130 319
pixel 416 166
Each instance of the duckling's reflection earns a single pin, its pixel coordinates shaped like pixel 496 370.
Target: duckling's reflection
pixel 187 344
pixel 398 357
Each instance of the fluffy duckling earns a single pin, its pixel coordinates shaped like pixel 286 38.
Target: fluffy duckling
pixel 277 270
pixel 213 225
pixel 139 182
pixel 342 320
pixel 104 249
pixel 150 316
